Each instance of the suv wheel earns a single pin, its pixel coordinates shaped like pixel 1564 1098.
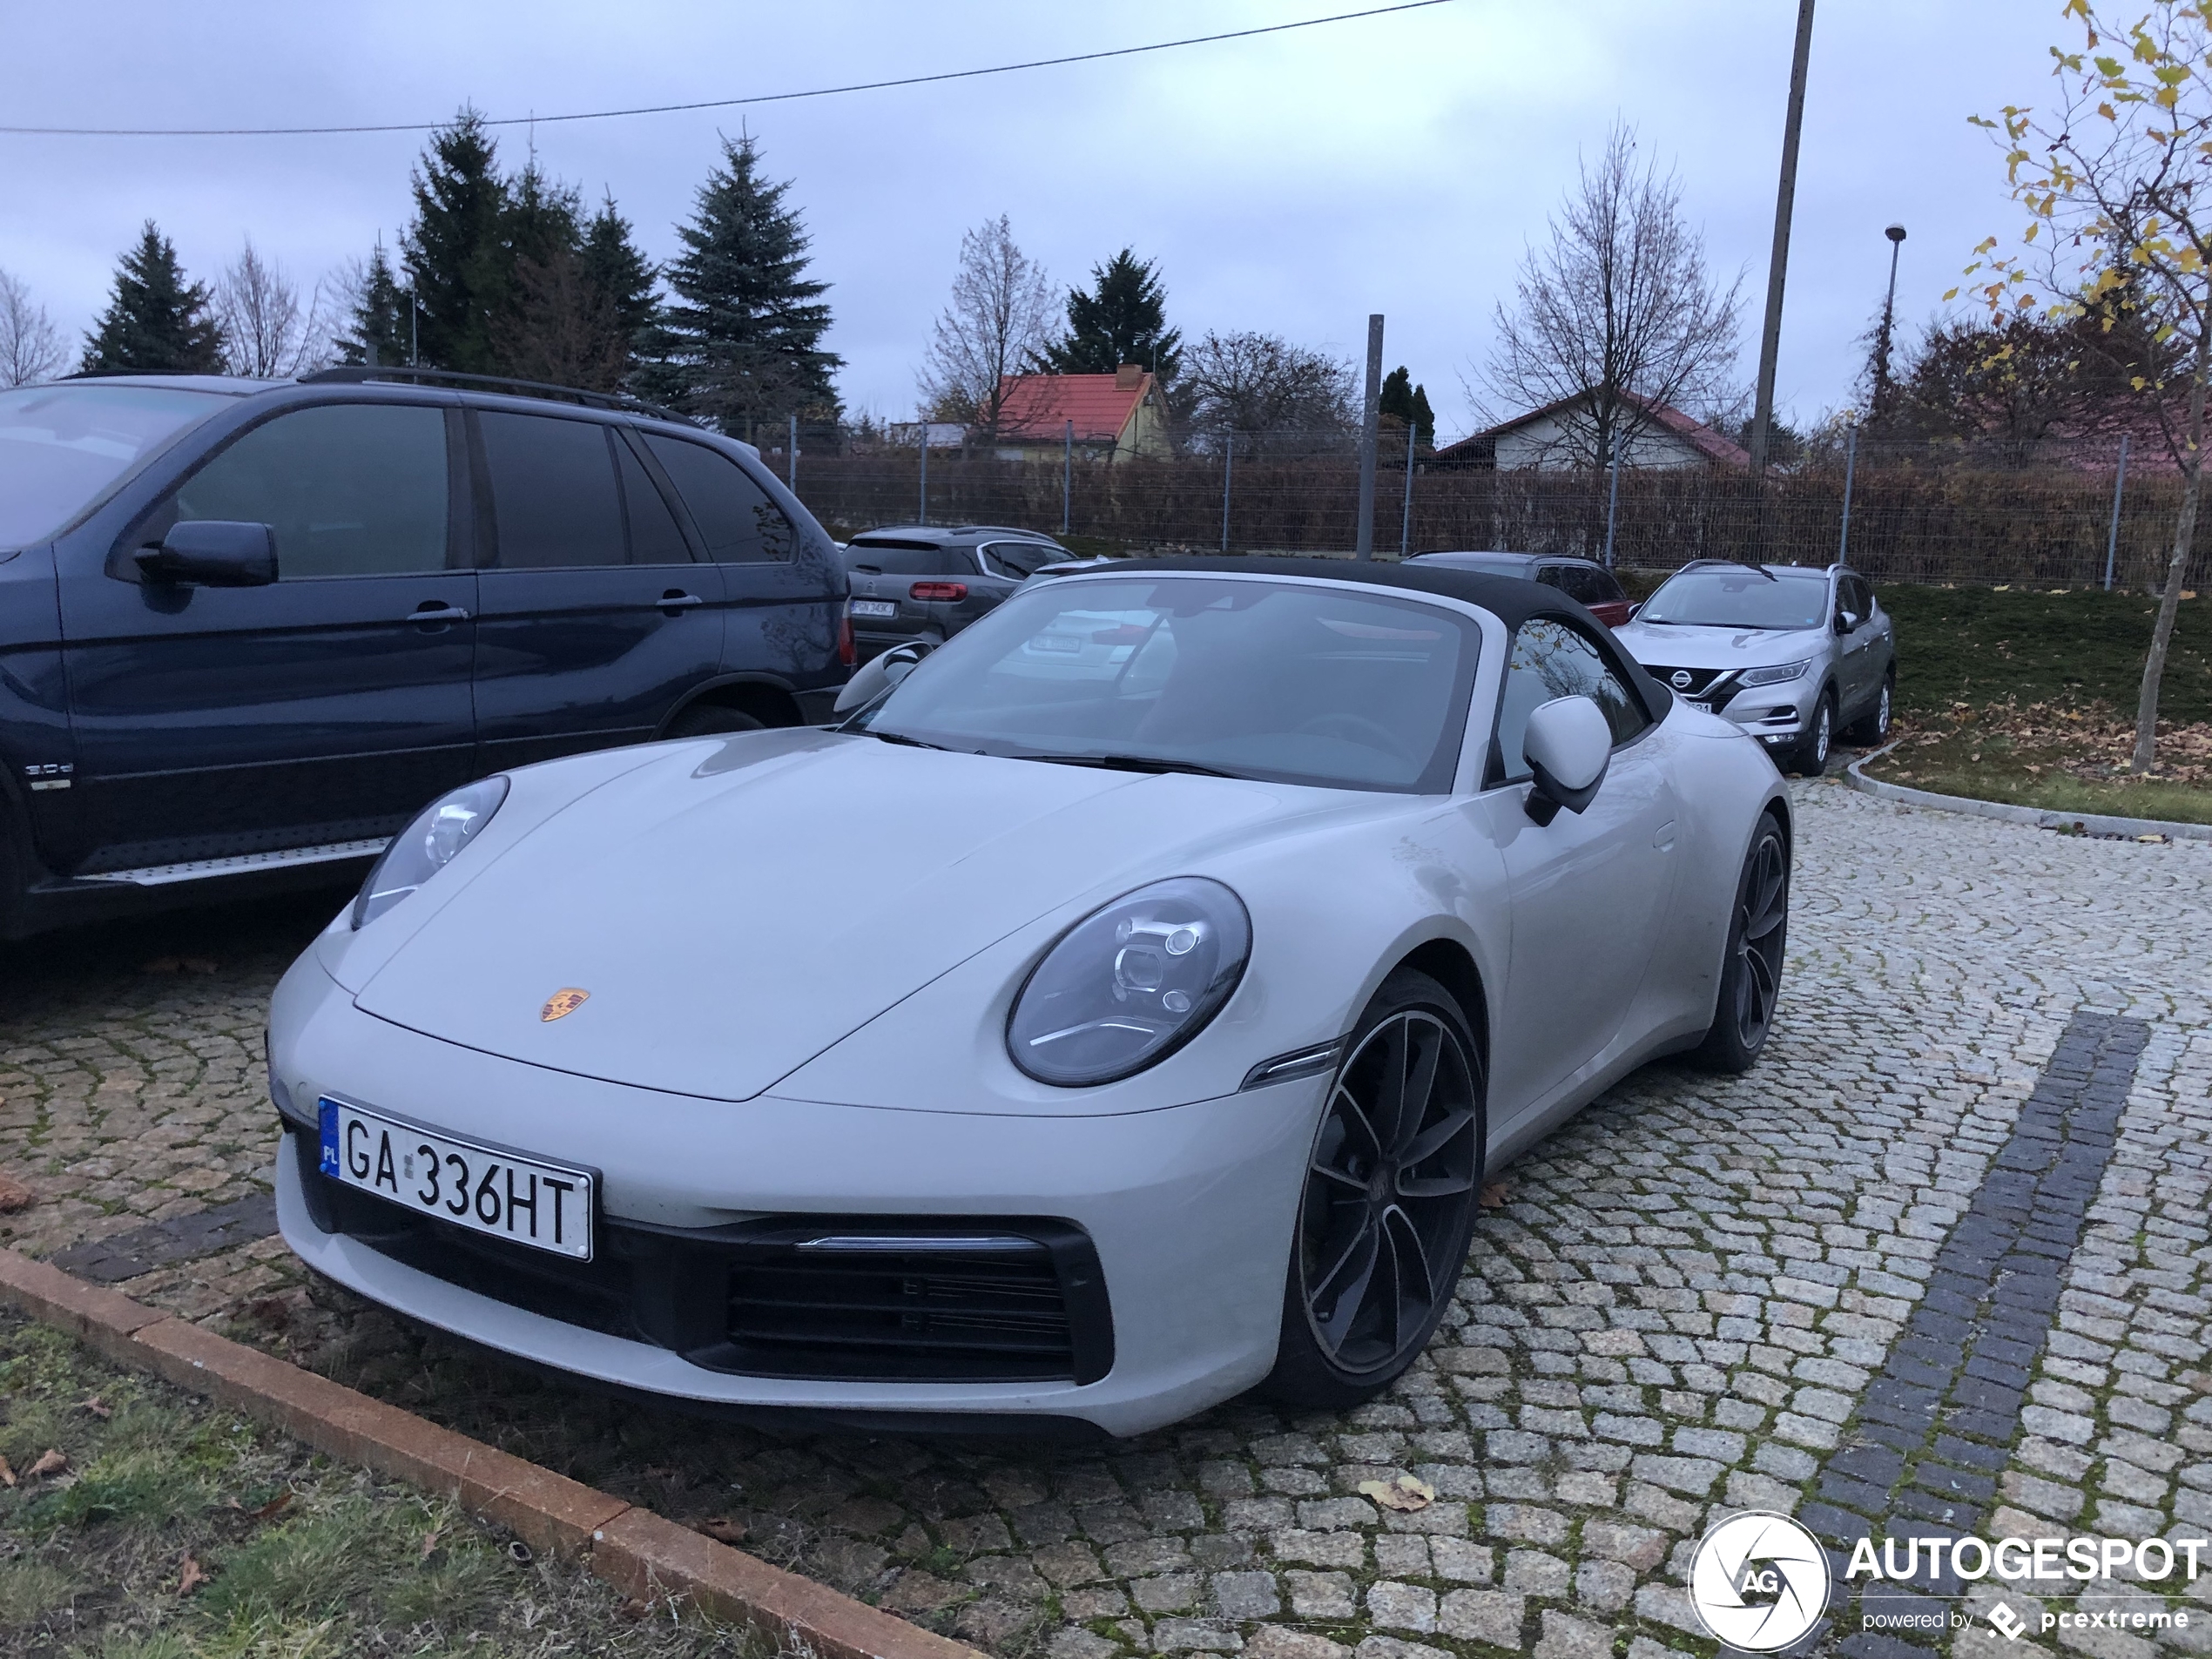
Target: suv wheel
pixel 1812 758
pixel 1873 726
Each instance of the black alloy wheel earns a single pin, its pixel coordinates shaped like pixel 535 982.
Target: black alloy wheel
pixel 1389 1203
pixel 1874 726
pixel 1758 931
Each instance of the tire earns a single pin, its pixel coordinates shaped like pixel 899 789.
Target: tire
pixel 1873 726
pixel 707 719
pixel 1810 759
pixel 1758 932
pixel 1374 1266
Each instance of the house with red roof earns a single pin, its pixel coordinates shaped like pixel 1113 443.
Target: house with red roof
pixel 1562 434
pixel 1111 417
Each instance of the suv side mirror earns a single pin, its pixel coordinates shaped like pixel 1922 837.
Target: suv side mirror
pixel 1568 745
pixel 878 675
pixel 213 553
pixel 1846 621
pixel 1634 609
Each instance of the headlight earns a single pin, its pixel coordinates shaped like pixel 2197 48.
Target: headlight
pixel 427 845
pixel 1131 984
pixel 1776 675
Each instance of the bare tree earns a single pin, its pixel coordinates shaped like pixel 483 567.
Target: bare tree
pixel 1259 387
pixel 268 333
pixel 1002 312
pixel 31 346
pixel 1617 316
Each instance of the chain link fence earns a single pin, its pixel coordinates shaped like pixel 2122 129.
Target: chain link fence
pixel 2047 514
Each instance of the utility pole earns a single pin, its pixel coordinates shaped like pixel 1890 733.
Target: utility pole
pixel 1067 475
pixel 1406 514
pixel 414 330
pixel 1613 500
pixel 791 458
pixel 1778 264
pixel 1851 466
pixel 1367 548
pixel 922 425
pixel 1228 465
pixel 2119 491
pixel 1881 400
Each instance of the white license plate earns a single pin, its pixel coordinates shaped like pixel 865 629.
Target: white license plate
pixel 525 1200
pixel 873 608
pixel 1702 708
pixel 1067 643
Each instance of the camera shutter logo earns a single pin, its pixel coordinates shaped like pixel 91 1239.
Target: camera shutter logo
pixel 1759 1581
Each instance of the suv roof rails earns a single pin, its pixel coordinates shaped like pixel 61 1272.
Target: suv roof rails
pixel 621 402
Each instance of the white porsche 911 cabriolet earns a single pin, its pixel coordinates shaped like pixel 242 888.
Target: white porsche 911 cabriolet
pixel 1118 1011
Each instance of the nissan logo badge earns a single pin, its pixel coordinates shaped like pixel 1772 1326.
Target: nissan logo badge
pixel 1680 679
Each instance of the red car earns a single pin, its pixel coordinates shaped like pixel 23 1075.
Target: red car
pixel 1584 580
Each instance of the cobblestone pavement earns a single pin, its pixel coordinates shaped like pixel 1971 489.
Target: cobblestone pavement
pixel 1938 1263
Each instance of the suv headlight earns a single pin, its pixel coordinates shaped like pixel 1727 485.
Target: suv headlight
pixel 427 845
pixel 1776 675
pixel 1128 985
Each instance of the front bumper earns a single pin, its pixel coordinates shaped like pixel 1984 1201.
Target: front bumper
pixel 1190 1212
pixel 1776 715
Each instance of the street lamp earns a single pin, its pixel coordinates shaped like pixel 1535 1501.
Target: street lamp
pixel 1896 233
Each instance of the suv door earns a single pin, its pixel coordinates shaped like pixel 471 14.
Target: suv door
pixel 1590 888
pixel 326 707
pixel 782 618
pixel 1858 656
pixel 596 619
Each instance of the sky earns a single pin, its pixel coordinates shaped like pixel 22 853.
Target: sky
pixel 1292 183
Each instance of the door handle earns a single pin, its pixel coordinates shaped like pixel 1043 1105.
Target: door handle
pixel 437 611
pixel 677 599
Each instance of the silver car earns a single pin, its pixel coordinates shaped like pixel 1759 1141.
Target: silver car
pixel 1793 655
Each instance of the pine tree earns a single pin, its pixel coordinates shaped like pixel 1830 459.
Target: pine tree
pixel 1424 418
pixel 615 267
pixel 381 315
pixel 458 262
pixel 155 322
pixel 1121 320
pixel 742 342
pixel 1397 399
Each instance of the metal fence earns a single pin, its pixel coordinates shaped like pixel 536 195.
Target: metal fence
pixel 2050 514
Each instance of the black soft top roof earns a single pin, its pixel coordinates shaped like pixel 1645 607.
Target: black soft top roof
pixel 1512 599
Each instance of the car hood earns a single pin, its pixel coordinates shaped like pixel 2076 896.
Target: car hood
pixel 733 909
pixel 1675 645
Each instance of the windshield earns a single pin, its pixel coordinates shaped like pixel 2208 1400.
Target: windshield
pixel 1740 598
pixel 60 446
pixel 1275 680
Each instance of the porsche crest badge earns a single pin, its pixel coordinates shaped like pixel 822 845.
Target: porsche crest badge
pixel 563 1003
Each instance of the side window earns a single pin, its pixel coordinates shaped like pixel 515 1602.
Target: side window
pixel 654 538
pixel 1607 590
pixel 552 492
pixel 349 488
pixel 1553 576
pixel 1551 659
pixel 961 561
pixel 1020 560
pixel 1862 597
pixel 739 524
pixel 904 559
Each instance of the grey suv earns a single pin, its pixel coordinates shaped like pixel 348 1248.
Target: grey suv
pixel 920 582
pixel 1793 655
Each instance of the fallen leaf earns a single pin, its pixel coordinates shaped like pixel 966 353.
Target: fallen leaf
pixel 1496 1195
pixel 2152 839
pixel 191 1577
pixel 49 1462
pixel 14 1195
pixel 1405 1494
pixel 722 1529
pixel 633 1609
pixel 430 1543
pixel 7 1474
pixel 97 1407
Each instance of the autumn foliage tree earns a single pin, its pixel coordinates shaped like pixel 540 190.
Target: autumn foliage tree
pixel 2108 171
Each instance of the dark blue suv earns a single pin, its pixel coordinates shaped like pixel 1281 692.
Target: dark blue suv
pixel 248 628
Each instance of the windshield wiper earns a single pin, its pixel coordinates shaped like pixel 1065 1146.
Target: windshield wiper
pixel 900 738
pixel 1131 763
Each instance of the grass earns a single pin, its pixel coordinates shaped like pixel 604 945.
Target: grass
pixel 178 1531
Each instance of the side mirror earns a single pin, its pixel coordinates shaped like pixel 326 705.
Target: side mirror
pixel 1634 609
pixel 878 675
pixel 1568 745
pixel 1846 621
pixel 213 553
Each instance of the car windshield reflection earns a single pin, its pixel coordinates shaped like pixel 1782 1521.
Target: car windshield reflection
pixel 1740 598
pixel 1284 681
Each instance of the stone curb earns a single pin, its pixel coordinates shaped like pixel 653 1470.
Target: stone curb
pixel 640 1553
pixel 2094 823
